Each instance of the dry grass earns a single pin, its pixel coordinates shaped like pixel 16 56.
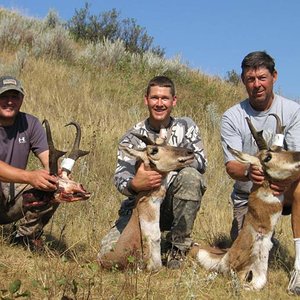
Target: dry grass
pixel 106 102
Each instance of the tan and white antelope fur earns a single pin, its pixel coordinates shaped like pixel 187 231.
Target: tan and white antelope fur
pixel 248 255
pixel 141 237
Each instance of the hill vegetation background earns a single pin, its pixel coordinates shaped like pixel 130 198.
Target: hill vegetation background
pixel 101 85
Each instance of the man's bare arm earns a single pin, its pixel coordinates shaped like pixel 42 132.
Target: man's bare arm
pixel 40 179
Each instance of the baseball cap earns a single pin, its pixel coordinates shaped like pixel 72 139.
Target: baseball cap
pixel 8 83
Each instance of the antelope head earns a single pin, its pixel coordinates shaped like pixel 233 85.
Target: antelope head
pixel 274 161
pixel 68 190
pixel 160 156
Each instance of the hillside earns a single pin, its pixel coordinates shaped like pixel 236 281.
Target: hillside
pixel 102 87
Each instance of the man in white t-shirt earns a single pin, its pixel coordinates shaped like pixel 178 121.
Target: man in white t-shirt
pixel 259 76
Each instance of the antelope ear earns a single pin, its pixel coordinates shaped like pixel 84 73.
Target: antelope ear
pixel 244 158
pixel 138 154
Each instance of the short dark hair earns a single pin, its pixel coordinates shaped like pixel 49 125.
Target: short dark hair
pixel 257 59
pixel 162 81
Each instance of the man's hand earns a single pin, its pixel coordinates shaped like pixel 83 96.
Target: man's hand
pixel 42 180
pixel 280 187
pixel 256 175
pixel 145 180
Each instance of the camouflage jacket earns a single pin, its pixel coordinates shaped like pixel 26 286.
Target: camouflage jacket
pixel 182 132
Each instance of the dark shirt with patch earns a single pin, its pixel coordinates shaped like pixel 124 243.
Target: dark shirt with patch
pixel 16 141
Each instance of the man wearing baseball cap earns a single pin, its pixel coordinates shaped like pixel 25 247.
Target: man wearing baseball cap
pixel 9 83
pixel 20 134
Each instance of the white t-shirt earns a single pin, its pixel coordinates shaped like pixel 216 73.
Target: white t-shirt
pixel 236 133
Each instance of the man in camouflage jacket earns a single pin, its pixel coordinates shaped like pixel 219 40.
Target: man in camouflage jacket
pixel 185 187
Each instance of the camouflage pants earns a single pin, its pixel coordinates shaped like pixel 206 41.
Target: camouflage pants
pixel 177 214
pixel 31 220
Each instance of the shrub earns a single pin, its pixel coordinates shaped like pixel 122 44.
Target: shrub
pixel 54 43
pixel 45 37
pixel 16 30
pixel 52 20
pixel 103 54
pixel 92 28
pixel 233 77
pixel 152 61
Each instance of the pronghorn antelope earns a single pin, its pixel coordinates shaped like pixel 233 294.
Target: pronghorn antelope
pixel 141 237
pixel 248 255
pixel 67 190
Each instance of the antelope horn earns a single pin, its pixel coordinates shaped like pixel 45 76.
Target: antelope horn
pixel 54 154
pixel 76 152
pixel 258 137
pixel 279 127
pixel 143 138
pixel 278 140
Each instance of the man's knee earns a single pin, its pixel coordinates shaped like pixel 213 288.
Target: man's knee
pixel 189 185
pixel 110 239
